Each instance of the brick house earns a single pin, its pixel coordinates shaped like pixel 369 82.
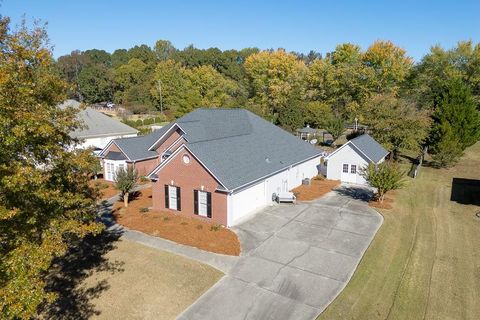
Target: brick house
pixel 221 165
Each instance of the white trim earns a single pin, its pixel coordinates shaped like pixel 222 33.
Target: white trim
pixel 275 172
pixel 173 155
pixel 174 143
pixel 108 145
pixel 163 135
pixel 356 148
pixel 107 135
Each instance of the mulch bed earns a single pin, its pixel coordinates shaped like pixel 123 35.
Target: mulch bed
pixel 315 190
pixel 106 188
pixel 175 227
pixel 387 201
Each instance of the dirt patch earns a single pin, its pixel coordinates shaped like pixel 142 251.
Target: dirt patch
pixel 315 190
pixel 192 232
pixel 387 201
pixel 106 188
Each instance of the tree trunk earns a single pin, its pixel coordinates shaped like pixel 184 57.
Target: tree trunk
pixel 125 199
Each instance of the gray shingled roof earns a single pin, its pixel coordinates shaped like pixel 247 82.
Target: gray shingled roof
pixel 136 148
pixel 239 147
pixel 114 155
pixel 371 148
pixel 97 124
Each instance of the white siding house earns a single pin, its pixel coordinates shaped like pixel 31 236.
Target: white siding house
pixel 247 201
pixel 99 129
pixel 345 163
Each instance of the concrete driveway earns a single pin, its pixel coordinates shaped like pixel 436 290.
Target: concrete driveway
pixel 295 259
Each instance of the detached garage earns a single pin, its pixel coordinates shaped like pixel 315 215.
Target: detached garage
pixel 344 164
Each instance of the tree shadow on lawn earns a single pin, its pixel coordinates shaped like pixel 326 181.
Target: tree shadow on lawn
pixel 356 192
pixel 69 271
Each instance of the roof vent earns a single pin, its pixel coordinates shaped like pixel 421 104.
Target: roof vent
pixel 267 160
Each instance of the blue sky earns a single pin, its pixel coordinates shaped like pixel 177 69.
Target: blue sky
pixel 294 25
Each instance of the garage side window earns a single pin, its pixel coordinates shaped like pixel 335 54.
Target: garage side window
pixel 353 169
pixel 345 168
pixel 173 198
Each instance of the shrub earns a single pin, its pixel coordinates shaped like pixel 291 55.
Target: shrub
pixel 384 177
pixel 139 123
pixel 160 118
pixel 144 210
pixel 166 218
pixel 183 223
pixel 199 227
pixel 215 227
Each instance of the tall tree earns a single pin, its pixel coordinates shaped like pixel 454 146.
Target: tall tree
pixel 341 80
pixel 95 83
pixel 45 198
pixel 171 90
pixel 164 50
pixel 436 69
pixel 390 63
pixel 277 82
pixel 455 112
pixel 396 123
pixel 133 81
pixel 211 88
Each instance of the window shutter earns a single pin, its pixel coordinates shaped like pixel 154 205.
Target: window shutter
pixel 195 201
pixel 179 200
pixel 209 204
pixel 167 206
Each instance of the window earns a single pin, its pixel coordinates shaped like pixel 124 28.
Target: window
pixel 345 168
pixel 172 198
pixel 353 169
pixel 186 159
pixel 202 203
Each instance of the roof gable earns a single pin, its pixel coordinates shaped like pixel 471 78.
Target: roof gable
pixel 371 148
pixel 367 146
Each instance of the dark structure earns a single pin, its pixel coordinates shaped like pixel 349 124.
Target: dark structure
pixel 465 191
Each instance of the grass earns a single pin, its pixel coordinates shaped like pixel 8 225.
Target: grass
pixel 153 284
pixel 424 262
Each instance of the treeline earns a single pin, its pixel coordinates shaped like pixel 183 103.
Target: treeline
pixel 407 106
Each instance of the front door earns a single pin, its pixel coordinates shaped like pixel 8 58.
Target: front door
pixel 349 173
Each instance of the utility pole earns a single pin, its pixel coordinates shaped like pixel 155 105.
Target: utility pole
pixel 159 84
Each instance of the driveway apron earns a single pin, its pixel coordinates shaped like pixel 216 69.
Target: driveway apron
pixel 295 260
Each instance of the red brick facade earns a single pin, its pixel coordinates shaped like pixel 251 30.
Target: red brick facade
pixel 169 141
pixel 189 177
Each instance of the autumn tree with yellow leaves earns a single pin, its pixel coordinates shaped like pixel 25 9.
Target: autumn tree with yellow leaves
pixel 45 199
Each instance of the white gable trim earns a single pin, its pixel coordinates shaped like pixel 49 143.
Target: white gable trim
pixel 109 144
pixel 355 148
pixel 175 125
pixel 173 155
pixel 106 148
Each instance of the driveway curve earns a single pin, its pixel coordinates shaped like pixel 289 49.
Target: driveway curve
pixel 295 259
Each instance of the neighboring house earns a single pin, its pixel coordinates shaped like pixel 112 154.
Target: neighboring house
pixel 344 164
pixel 219 164
pixel 99 129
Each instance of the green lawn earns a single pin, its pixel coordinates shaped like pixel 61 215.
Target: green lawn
pixel 425 260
